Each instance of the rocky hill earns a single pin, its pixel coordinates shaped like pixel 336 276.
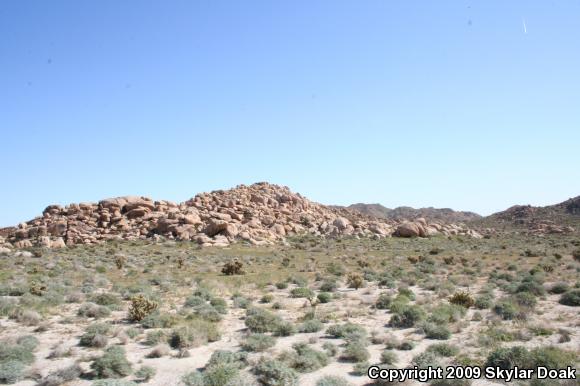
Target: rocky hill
pixel 407 213
pixel 560 218
pixel 261 213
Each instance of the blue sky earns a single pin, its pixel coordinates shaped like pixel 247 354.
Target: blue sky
pixel 446 104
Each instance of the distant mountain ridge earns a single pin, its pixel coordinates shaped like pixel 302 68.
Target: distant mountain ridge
pixel 408 213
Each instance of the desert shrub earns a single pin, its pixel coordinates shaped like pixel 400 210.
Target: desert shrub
pixel 506 309
pixel 463 299
pixel 299 280
pixel 443 349
pixel 576 254
pixel 221 357
pixel 219 304
pixel 193 378
pixel 141 307
pixel 312 325
pixel 436 331
pixel 302 292
pixel 195 333
pixel 258 342
pixel 155 337
pixel 525 299
pixel 92 310
pixel 406 292
pixel 145 373
pixel 282 285
pixel 328 285
pixel 571 298
pixel 11 371
pixel 360 368
pixel 112 364
pixel 275 373
pixel 399 304
pixel 407 317
pixel 559 288
pixel 62 376
pixel 407 345
pixel 95 335
pixel 346 330
pixel 267 298
pixel 194 301
pixel 447 313
pixel 332 380
pixel 383 301
pixel 234 267
pixel 335 268
pixel 426 359
pixel 531 285
pixel 355 351
pixel 355 280
pixel 308 359
pixel 113 382
pixel 27 342
pixel 158 319
pixel 324 297
pixel 241 301
pixel 284 328
pixel 106 299
pixel 388 357
pixel 159 351
pixel 508 357
pixel 261 320
pixel 207 312
pixel 331 349
pixel 483 302
pixel 220 374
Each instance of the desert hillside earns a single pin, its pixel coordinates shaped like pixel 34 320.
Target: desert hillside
pixel 408 213
pixel 261 213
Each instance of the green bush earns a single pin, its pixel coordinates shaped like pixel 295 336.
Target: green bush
pixel 261 320
pixel 95 335
pixel 571 298
pixel 324 297
pixel 383 301
pixel 145 373
pixel 307 358
pixel 559 288
pixel 11 371
pixel 312 325
pixel 221 357
pixel 328 285
pixel 220 374
pixel 484 302
pixel 332 380
pixel 388 357
pixel 443 350
pixel 463 299
pixel 346 330
pixel 282 285
pixel 302 292
pixel 331 349
pixel 113 382
pixel 159 320
pixel 195 333
pixel 258 342
pixel 355 351
pixel 436 331
pixel 407 317
pixel 267 298
pixel 113 364
pixel 92 310
pixel 447 313
pixel 506 309
pixel 426 359
pixel 406 292
pixel 284 328
pixel 275 373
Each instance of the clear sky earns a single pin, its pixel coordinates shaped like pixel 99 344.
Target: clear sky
pixel 473 105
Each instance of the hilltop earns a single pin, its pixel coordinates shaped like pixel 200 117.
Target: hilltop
pixel 261 213
pixel 407 213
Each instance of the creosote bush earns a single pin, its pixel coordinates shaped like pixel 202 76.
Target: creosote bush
pixel 112 364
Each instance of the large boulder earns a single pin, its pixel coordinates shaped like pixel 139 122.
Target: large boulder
pixel 409 229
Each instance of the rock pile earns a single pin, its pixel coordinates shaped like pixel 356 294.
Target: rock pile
pixel 261 213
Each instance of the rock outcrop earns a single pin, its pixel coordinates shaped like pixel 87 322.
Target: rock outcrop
pixel 261 213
